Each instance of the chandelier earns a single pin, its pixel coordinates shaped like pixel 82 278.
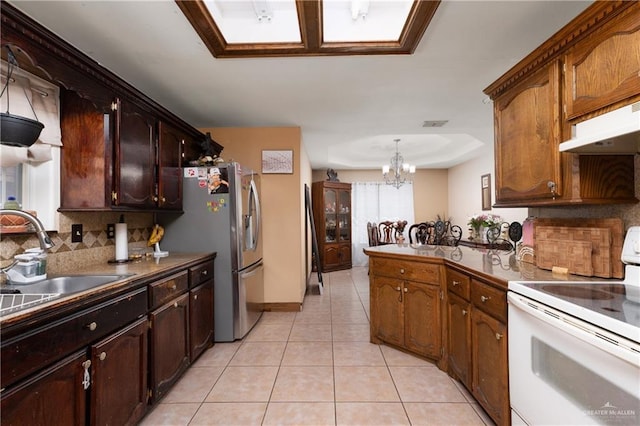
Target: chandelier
pixel 396 172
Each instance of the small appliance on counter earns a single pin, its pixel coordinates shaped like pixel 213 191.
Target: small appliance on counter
pixel 31 267
pixel 574 348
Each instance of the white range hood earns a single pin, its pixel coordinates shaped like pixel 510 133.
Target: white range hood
pixel 616 132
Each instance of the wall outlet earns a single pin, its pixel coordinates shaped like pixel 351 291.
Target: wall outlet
pixel 76 233
pixel 111 230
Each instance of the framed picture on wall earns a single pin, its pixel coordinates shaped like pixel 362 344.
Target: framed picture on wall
pixel 277 161
pixel 485 184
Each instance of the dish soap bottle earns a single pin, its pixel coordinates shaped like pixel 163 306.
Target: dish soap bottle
pixel 12 203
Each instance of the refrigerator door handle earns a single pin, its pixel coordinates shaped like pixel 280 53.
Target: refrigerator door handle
pixel 253 232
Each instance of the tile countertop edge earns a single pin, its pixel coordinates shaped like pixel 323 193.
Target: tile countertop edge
pixel 497 266
pixel 142 271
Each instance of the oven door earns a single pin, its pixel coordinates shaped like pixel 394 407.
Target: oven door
pixel 565 371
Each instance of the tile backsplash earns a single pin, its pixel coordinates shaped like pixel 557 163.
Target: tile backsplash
pixel 95 246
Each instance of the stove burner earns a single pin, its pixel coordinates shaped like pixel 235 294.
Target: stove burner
pixel 577 292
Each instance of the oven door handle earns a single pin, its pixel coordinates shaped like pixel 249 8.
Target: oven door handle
pixel 608 342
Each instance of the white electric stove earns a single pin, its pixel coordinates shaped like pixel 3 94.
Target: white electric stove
pixel 574 348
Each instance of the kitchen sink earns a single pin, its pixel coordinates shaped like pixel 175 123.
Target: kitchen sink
pixel 68 283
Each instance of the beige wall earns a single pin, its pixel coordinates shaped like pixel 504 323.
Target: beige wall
pixel 430 196
pixel 282 205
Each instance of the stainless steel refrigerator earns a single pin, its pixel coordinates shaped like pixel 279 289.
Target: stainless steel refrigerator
pixel 222 214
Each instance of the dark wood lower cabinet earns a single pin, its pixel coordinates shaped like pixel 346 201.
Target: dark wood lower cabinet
pixel 55 396
pixel 200 319
pixel 119 395
pixel 169 344
pixel 459 338
pixel 490 381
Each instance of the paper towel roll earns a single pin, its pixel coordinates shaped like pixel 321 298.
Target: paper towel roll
pixel 122 240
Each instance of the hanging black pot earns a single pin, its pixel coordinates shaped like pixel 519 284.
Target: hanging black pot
pixel 16 130
pixel 19 131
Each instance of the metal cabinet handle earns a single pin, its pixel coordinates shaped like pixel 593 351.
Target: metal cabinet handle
pixel 175 305
pixel 204 272
pixel 173 287
pixel 92 326
pixel 102 356
pixel 406 290
pixel 398 288
pixel 484 298
pixel 155 199
pixel 195 297
pixel 498 336
pixel 464 312
pixel 164 200
pixel 86 377
pixel 402 270
pixel 455 283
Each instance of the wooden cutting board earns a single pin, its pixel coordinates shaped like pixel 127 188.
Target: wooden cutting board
pixel 615 225
pixel 573 255
pixel 598 256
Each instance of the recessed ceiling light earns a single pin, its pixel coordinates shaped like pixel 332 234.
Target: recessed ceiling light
pixel 434 123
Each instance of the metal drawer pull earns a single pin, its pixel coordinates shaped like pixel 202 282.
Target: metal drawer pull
pixel 195 297
pixel 402 270
pixel 498 336
pixel 175 305
pixel 204 272
pixel 103 356
pixel 406 289
pixel 464 312
pixel 173 287
pixel 92 326
pixel 455 283
pixel 86 378
pixel 398 288
pixel 484 298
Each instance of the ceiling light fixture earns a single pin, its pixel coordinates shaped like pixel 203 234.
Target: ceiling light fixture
pixel 396 173
pixel 262 10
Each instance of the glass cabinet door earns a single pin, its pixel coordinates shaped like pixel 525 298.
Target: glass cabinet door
pixel 344 215
pixel 330 215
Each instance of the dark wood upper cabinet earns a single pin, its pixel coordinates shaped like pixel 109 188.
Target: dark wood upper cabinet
pixel 170 143
pixel 135 164
pixel 121 149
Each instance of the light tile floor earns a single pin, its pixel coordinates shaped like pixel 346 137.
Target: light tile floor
pixel 316 367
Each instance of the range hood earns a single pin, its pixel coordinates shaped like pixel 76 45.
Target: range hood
pixel 616 132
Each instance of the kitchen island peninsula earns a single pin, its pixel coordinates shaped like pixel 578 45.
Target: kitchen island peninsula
pixel 449 305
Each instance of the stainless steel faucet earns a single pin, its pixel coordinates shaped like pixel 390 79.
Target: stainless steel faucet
pixel 45 240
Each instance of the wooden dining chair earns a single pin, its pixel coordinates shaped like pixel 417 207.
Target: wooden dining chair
pixel 387 232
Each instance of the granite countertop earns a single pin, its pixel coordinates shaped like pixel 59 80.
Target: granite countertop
pixel 497 265
pixel 137 274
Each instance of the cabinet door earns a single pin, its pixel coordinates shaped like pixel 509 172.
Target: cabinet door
pixel 54 397
pixel 170 143
pixel 422 330
pixel 344 216
pixel 612 54
pixel 459 338
pixel 86 160
pixel 345 255
pixel 528 162
pixel 119 385
pixel 135 172
pixel 169 344
pixel 490 380
pixel 387 313
pixel 330 216
pixel 200 319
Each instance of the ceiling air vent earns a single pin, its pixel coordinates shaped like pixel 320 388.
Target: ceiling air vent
pixel 434 123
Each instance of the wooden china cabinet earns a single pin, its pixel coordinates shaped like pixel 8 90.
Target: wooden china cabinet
pixel 332 216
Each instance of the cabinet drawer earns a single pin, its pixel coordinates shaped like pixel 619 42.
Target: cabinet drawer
pixel 458 283
pixel 28 353
pixel 200 273
pixel 489 299
pixel 401 269
pixel 164 290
